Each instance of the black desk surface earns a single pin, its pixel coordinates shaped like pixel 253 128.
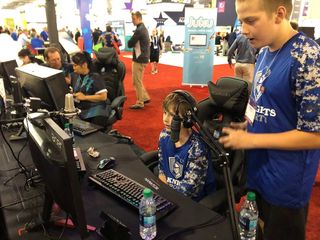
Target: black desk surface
pixel 188 213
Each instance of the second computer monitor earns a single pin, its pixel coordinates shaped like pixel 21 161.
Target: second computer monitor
pixel 46 83
pixel 52 153
pixel 7 69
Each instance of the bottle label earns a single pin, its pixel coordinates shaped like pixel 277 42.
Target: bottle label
pixel 147 221
pixel 248 224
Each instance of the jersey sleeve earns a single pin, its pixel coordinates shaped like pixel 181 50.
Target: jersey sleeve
pixel 307 86
pixel 196 171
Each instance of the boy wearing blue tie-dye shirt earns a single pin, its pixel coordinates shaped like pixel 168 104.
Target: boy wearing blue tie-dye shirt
pixel 283 134
pixel 185 165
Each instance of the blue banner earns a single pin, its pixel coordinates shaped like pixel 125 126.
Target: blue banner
pixel 84 8
pixel 199 45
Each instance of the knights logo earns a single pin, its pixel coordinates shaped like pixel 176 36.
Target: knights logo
pixel 175 167
pixel 260 77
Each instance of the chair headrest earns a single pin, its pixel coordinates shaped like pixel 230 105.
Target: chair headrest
pixel 230 95
pixel 107 55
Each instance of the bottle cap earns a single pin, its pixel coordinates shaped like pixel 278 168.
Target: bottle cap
pixel 66 125
pixel 147 193
pixel 251 196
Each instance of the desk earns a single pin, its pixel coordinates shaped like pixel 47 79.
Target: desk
pixel 188 213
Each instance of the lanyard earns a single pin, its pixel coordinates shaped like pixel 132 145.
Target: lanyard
pixel 82 83
pixel 261 76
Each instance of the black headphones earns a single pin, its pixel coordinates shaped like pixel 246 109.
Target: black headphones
pixel 187 98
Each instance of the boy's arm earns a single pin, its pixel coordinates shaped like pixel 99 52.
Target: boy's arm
pixel 290 140
pixel 195 176
pixel 161 176
pixel 134 39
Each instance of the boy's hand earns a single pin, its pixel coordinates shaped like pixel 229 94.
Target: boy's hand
pixel 163 178
pixel 79 96
pixel 236 139
pixel 237 125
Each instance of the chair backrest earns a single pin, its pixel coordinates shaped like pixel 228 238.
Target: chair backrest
pixel 113 75
pixel 121 70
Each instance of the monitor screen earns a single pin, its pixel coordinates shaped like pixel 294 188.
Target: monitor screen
pixel 198 40
pixel 52 153
pixel 7 69
pixel 46 83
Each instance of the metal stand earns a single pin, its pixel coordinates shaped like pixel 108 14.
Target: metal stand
pixel 224 164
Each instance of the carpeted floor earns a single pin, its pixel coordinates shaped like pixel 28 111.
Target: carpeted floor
pixel 145 125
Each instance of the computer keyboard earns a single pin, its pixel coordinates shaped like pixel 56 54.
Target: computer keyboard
pixel 83 128
pixel 129 190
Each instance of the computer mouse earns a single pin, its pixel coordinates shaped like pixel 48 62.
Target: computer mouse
pixel 107 163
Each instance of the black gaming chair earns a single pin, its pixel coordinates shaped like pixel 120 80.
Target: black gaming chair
pixel 113 72
pixel 209 114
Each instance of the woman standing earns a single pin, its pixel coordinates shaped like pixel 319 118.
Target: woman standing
pixel 155 47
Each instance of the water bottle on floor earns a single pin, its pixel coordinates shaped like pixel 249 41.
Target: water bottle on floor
pixel 248 218
pixel 147 215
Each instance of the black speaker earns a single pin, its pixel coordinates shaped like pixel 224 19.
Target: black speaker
pixel 191 102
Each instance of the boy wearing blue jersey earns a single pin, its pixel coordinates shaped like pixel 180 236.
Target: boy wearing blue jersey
pixel 185 165
pixel 283 117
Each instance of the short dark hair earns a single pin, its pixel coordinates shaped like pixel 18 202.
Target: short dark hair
pixel 83 57
pixel 50 50
pixel 176 102
pixel 137 14
pixel 24 53
pixel 109 28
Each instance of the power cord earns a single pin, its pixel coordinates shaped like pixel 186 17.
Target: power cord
pixel 21 201
pixel 22 168
pixel 64 227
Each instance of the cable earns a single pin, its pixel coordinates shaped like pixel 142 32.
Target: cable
pixel 22 167
pixel 216 220
pixel 21 201
pixel 64 227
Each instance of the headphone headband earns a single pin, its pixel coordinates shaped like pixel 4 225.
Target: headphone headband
pixel 187 120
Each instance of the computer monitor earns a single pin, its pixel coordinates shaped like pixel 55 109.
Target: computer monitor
pixel 7 69
pixel 198 40
pixel 52 153
pixel 46 83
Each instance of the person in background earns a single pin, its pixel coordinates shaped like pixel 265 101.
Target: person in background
pixel 77 35
pixel 185 165
pixel 155 48
pixel 36 41
pixel 225 45
pixel 109 39
pixel 69 32
pixel 217 43
pixel 23 39
pixel 26 57
pixel 14 34
pixel 52 56
pixel 140 42
pixel 283 127
pixel 95 35
pixel 89 90
pixel 44 34
pixel 233 36
pixel 245 56
pixel 162 40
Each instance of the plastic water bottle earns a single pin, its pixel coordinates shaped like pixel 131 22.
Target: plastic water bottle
pixel 147 212
pixel 68 130
pixel 248 219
